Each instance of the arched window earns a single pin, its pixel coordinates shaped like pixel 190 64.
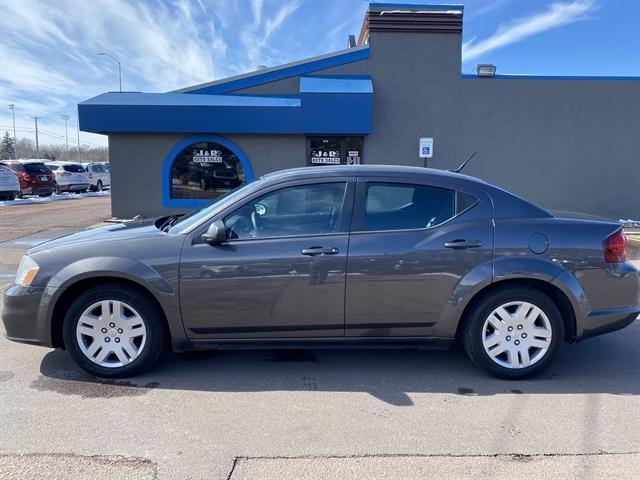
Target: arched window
pixel 202 168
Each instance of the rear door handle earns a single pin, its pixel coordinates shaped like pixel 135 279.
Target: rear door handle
pixel 320 251
pixel 462 244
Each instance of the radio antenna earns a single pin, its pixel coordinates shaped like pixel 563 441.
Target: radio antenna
pixel 464 164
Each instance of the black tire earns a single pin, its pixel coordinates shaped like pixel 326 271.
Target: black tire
pixel 99 186
pixel 472 333
pixel 155 335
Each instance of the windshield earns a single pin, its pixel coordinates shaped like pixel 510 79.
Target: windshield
pixel 195 217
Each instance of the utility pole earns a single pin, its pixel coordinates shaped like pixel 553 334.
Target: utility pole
pixel 37 146
pixel 15 141
pixel 78 131
pixel 66 133
pixel 119 66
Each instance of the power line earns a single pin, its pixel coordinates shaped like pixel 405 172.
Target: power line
pixel 50 134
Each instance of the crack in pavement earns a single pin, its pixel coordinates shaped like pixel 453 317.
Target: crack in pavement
pixel 51 463
pixel 520 457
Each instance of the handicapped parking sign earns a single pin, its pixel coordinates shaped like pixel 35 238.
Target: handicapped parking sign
pixel 426 148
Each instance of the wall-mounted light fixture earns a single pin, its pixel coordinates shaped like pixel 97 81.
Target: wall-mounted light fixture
pixel 486 70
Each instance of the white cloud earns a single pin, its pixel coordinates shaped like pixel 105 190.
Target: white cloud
pixel 556 15
pixel 255 37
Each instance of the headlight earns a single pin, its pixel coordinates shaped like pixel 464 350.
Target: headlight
pixel 27 271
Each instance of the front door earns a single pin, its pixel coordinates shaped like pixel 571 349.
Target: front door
pixel 411 245
pixel 282 271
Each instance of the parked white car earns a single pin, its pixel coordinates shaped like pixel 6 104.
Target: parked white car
pixel 9 184
pixel 70 177
pixel 99 176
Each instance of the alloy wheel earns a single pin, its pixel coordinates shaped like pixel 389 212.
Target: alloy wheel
pixel 111 333
pixel 517 335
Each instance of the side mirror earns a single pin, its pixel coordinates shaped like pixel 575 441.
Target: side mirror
pixel 216 233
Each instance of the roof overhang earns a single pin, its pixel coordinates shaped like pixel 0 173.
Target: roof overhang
pixel 326 105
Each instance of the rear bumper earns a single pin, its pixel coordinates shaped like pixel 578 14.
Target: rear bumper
pixel 72 187
pixel 38 190
pixel 604 300
pixel 22 315
pixel 600 322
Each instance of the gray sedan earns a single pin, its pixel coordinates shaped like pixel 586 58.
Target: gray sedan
pixel 362 256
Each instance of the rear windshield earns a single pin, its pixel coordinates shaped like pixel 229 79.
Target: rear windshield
pixel 16 167
pixel 37 168
pixel 73 168
pixel 52 167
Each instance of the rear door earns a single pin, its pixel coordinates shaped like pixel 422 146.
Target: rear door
pixel 282 271
pixel 411 244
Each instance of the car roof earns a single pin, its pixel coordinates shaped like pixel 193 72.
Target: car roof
pixel 373 170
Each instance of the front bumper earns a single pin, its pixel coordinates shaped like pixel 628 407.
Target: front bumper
pixel 22 315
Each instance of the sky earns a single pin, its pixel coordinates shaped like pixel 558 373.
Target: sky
pixel 49 61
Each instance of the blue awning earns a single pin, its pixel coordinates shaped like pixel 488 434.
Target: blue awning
pixel 326 105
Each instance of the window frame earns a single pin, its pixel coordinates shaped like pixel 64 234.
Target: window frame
pixel 174 153
pixel 360 202
pixel 344 226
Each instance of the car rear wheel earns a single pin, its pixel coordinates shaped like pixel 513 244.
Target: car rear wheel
pixel 111 331
pixel 99 186
pixel 513 333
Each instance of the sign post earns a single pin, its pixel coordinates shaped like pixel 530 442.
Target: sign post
pixel 425 149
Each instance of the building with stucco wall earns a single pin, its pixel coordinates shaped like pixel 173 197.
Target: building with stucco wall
pixel 570 143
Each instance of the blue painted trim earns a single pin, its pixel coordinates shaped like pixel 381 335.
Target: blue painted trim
pixel 440 6
pixel 167 201
pixel 545 77
pixel 345 111
pixel 260 78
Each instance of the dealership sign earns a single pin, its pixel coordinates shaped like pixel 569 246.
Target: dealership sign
pixel 326 157
pixel 207 156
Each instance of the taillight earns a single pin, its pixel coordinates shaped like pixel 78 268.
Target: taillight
pixel 25 176
pixel 614 247
pixel 65 174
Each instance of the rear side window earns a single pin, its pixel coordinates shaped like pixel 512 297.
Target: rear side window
pixel 37 168
pixel 73 168
pixel 396 206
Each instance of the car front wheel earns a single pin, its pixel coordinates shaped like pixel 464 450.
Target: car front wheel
pixel 513 333
pixel 112 331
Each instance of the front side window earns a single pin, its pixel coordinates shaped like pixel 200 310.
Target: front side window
pixel 205 170
pixel 301 210
pixel 397 206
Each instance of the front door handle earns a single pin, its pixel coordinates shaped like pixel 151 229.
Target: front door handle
pixel 320 251
pixel 462 244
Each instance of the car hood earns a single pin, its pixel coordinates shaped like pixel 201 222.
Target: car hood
pixel 101 235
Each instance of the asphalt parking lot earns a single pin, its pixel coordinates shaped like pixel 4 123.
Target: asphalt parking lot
pixel 308 414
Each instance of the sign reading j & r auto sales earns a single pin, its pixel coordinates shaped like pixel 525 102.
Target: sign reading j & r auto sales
pixel 207 156
pixel 325 157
